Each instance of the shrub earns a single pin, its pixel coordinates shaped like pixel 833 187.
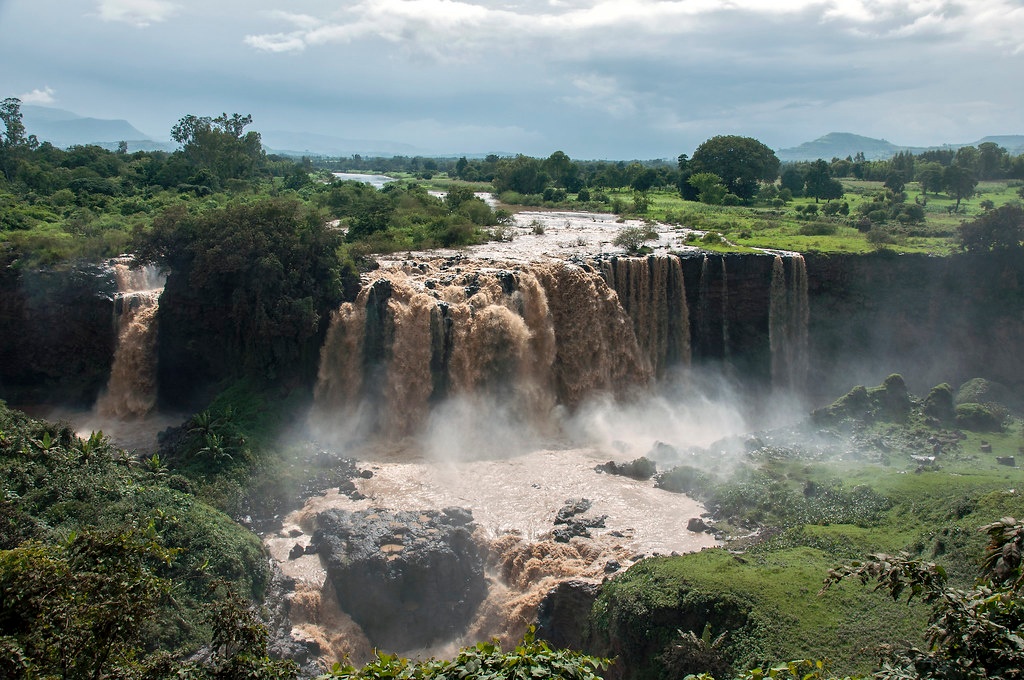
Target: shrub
pixel 818 228
pixel 631 239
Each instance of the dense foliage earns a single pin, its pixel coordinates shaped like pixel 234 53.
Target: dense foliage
pixel 105 561
pixel 532 659
pixel 263 276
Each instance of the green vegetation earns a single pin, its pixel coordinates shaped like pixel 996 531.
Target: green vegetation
pixel 877 472
pixel 108 566
pixel 532 658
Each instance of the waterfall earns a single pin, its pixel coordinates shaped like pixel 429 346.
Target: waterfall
pixel 789 314
pixel 725 311
pixel 713 309
pixel 131 388
pixel 653 294
pixel 523 339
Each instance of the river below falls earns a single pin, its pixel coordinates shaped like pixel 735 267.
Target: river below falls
pixel 514 500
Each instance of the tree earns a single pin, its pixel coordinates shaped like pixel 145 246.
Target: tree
pixel 522 174
pixel 77 610
pixel 999 229
pixel 816 180
pixel 219 145
pixel 793 180
pixel 991 158
pixel 709 187
pixel 267 273
pixel 929 174
pixel 741 162
pixel 959 183
pixel 13 142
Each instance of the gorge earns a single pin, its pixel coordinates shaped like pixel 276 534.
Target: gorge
pixel 498 385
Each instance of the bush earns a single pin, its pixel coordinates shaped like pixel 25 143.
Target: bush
pixel 631 239
pixel 818 228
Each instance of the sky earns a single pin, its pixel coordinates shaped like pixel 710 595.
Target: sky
pixel 597 79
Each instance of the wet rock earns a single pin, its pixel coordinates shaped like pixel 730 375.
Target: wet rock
pixel 296 552
pixel 612 566
pixel 409 579
pixel 572 507
pixel 564 614
pixel 641 468
pixel 697 525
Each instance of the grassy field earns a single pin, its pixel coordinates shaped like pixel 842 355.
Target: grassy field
pixel 745 228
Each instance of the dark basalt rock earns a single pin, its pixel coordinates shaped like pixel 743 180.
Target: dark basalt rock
pixel 641 468
pixel 563 617
pixel 409 579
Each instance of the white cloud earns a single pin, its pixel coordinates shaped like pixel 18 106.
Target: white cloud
pixel 139 13
pixel 437 26
pixel 43 97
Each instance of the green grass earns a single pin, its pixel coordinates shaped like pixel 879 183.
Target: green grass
pixel 768 605
pixel 746 228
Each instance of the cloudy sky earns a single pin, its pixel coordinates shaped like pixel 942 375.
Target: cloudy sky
pixel 598 79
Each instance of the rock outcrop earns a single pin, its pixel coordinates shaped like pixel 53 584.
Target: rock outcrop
pixel 409 579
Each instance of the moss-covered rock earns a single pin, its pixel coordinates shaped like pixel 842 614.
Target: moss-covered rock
pixel 939 403
pixel 980 417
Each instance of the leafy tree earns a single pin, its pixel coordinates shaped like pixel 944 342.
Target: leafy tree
pixel 645 180
pixel 998 229
pixel 268 273
pixel 631 239
pixel 895 181
pixel 13 142
pixel 76 610
pixel 819 182
pixel 220 145
pixel 521 174
pixel 709 187
pixel 741 162
pixel 959 182
pixel 793 179
pixel 991 158
pixel 929 174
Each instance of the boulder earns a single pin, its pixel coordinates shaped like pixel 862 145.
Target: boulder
pixel 409 579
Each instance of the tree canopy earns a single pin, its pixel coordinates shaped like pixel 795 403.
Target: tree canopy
pixel 741 163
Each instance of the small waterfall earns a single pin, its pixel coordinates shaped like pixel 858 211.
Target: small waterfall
pixel 789 315
pixel 521 340
pixel 652 292
pixel 131 389
pixel 725 311
pixel 713 309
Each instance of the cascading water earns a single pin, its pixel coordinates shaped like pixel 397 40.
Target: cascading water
pixel 789 315
pixel 528 337
pixel 131 389
pixel 653 293
pixel 498 386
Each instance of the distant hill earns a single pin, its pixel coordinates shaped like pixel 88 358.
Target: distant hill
pixel 843 144
pixel 64 128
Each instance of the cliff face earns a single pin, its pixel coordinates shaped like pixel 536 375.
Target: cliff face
pixel 57 334
pixel 932 319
